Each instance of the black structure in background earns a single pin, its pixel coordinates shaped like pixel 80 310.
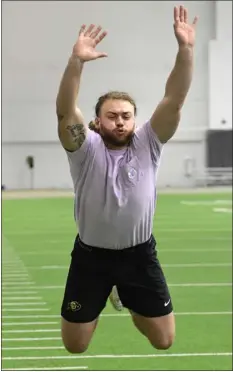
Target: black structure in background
pixel 31 164
pixel 219 157
pixel 219 149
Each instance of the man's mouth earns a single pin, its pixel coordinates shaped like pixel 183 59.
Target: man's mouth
pixel 120 131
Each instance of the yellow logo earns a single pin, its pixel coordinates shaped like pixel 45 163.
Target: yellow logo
pixel 74 306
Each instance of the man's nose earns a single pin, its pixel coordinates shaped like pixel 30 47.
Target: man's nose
pixel 119 122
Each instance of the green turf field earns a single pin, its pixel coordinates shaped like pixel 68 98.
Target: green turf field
pixel 194 235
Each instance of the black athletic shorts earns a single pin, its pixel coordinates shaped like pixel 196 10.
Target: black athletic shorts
pixel 135 271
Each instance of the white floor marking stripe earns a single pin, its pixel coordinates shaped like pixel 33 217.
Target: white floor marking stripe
pixel 201 285
pixel 213 313
pixel 46 369
pixel 21 298
pixel 194 229
pixel 22 303
pixel 50 330
pixel 109 356
pixel 34 348
pixel 32 339
pixel 9 291
pixel 224 264
pixel 22 271
pixel 18 276
pixel 26 323
pixel 196 265
pixel 170 285
pixel 16 283
pixel 29 310
pixel 12 262
pixel 102 315
pixel 219 250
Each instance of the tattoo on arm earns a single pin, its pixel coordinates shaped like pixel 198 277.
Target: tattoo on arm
pixel 78 133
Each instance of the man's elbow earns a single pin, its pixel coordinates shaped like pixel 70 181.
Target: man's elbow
pixel 175 103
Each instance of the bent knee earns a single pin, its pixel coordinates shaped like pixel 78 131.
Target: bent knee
pixel 163 343
pixel 75 348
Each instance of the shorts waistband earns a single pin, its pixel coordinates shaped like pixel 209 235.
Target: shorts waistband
pixel 137 247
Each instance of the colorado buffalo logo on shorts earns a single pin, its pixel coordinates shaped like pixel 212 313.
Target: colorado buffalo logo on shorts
pixel 74 306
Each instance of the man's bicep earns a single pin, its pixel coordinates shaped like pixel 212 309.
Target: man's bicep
pixel 165 119
pixel 72 131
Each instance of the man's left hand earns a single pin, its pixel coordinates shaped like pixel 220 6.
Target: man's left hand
pixel 184 32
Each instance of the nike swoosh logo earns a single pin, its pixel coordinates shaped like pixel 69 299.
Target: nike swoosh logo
pixel 167 303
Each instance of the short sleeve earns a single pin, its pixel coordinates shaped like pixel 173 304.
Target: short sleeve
pixel 80 159
pixel 86 150
pixel 145 138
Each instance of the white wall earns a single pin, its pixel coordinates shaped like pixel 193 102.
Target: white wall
pixel 220 69
pixel 37 41
pixel 224 20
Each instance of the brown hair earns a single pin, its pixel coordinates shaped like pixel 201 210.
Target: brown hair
pixel 92 126
pixel 114 95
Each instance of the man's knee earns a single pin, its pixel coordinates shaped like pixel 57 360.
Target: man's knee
pixel 162 343
pixel 77 336
pixel 75 348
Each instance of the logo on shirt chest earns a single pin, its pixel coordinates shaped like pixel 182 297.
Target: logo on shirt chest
pixel 132 173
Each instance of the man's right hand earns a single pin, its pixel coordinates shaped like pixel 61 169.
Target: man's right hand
pixel 88 38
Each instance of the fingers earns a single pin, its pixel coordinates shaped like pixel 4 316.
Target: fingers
pixel 93 34
pixel 180 14
pixel 101 55
pixel 98 39
pixel 176 14
pixel 96 32
pixel 88 31
pixel 82 29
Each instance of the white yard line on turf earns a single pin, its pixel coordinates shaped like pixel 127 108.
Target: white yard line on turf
pixel 32 339
pixel 223 264
pixel 115 314
pixel 15 276
pixel 12 262
pixel 47 368
pixel 110 356
pixel 16 283
pixel 4 297
pixel 9 291
pixel 102 316
pixel 170 285
pixel 50 330
pixel 26 323
pixel 13 269
pixel 22 303
pixel 213 313
pixel 34 348
pixel 193 229
pixel 181 265
pixel 26 310
pixel 219 250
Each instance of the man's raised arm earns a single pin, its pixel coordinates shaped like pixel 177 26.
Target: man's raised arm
pixel 71 128
pixel 166 117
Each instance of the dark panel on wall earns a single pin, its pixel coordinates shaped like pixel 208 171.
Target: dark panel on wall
pixel 219 149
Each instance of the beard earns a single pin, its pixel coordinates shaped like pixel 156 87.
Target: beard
pixel 112 139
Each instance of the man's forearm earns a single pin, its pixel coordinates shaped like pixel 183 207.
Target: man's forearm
pixel 179 81
pixel 69 86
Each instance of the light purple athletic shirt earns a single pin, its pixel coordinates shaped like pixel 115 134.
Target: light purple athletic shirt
pixel 115 190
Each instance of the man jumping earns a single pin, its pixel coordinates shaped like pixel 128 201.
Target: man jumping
pixel 113 166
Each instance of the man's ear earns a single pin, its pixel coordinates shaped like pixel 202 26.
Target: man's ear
pixel 97 122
